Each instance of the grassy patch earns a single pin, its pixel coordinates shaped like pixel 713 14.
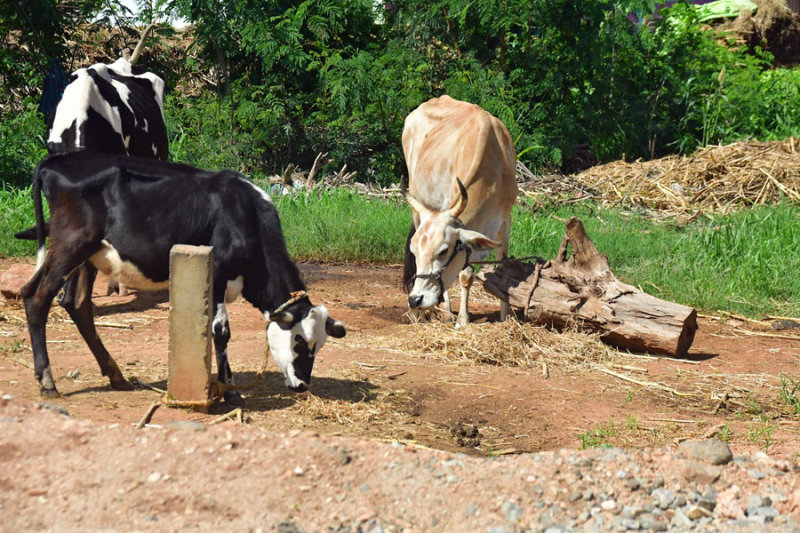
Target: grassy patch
pixel 746 262
pixel 16 213
pixel 338 226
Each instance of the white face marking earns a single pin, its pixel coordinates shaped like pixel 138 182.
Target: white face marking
pixel 282 342
pixel 146 127
pixel 109 262
pixel 220 319
pixel 264 195
pixel 155 150
pixel 234 289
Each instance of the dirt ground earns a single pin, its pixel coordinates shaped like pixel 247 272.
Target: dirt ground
pixel 365 386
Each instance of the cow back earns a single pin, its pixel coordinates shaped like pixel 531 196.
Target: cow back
pixel 107 108
pixel 445 139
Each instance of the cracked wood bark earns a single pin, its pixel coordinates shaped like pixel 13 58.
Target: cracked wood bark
pixel 582 290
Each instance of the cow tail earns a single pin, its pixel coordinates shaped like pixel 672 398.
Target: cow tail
pixel 409 262
pixel 38 210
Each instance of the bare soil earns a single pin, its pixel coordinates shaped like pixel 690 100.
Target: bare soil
pixel 386 438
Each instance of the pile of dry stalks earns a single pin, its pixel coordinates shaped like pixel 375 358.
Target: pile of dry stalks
pixel 511 344
pixel 715 178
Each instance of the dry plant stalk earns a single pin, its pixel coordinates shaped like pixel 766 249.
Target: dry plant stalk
pixel 510 344
pixel 714 178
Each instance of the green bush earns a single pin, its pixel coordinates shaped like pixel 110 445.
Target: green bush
pixel 22 145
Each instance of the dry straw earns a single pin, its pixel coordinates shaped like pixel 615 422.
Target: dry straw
pixel 510 344
pixel 715 178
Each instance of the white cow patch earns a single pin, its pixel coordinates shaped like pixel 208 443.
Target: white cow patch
pixel 264 194
pixel 109 262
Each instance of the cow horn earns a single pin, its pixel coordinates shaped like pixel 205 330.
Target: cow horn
pixel 415 204
pixel 459 203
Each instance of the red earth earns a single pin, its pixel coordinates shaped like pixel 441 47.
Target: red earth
pixel 366 385
pixel 392 438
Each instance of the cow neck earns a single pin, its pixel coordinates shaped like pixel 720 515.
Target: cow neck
pixel 283 280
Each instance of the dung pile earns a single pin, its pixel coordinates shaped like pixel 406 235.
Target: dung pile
pixel 715 178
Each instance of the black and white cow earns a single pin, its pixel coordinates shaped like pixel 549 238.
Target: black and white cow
pixel 109 109
pixel 122 215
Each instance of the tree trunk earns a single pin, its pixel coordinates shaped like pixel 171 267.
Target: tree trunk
pixel 582 290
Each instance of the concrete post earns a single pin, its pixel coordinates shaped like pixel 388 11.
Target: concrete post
pixel 191 276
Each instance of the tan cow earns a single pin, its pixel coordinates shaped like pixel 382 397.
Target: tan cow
pixel 461 187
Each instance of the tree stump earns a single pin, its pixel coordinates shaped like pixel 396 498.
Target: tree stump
pixel 581 290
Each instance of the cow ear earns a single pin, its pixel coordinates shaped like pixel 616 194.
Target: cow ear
pixel 282 318
pixel 334 328
pixel 478 241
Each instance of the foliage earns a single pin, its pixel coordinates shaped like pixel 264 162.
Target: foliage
pixel 572 80
pixel 21 144
pixel 16 214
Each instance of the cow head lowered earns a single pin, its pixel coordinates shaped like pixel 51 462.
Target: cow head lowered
pixel 295 334
pixel 441 248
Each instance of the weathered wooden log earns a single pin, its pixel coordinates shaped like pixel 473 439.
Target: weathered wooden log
pixel 581 290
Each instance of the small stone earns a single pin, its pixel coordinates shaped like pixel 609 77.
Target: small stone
pixel 73 374
pixel 680 520
pixel 630 524
pixel 706 503
pixel 754 500
pixel 298 471
pixel 575 495
pixel 663 498
pixel 702 473
pixel 608 505
pixel 769 513
pixel 588 495
pixel 712 451
pixel 756 474
pixel 632 483
pixel 472 509
pixel 696 512
pixel 154 477
pixel 512 511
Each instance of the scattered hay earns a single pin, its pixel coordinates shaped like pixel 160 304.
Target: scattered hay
pixel 715 178
pixel 511 344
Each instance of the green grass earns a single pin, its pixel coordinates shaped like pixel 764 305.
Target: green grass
pixel 746 262
pixel 337 226
pixel 16 213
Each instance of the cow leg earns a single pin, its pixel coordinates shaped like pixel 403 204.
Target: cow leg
pixel 38 296
pixel 77 301
pixel 465 279
pixel 502 252
pixel 447 308
pixel 221 333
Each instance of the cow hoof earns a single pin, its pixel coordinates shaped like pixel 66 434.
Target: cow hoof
pixel 122 384
pixel 233 398
pixel 49 393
